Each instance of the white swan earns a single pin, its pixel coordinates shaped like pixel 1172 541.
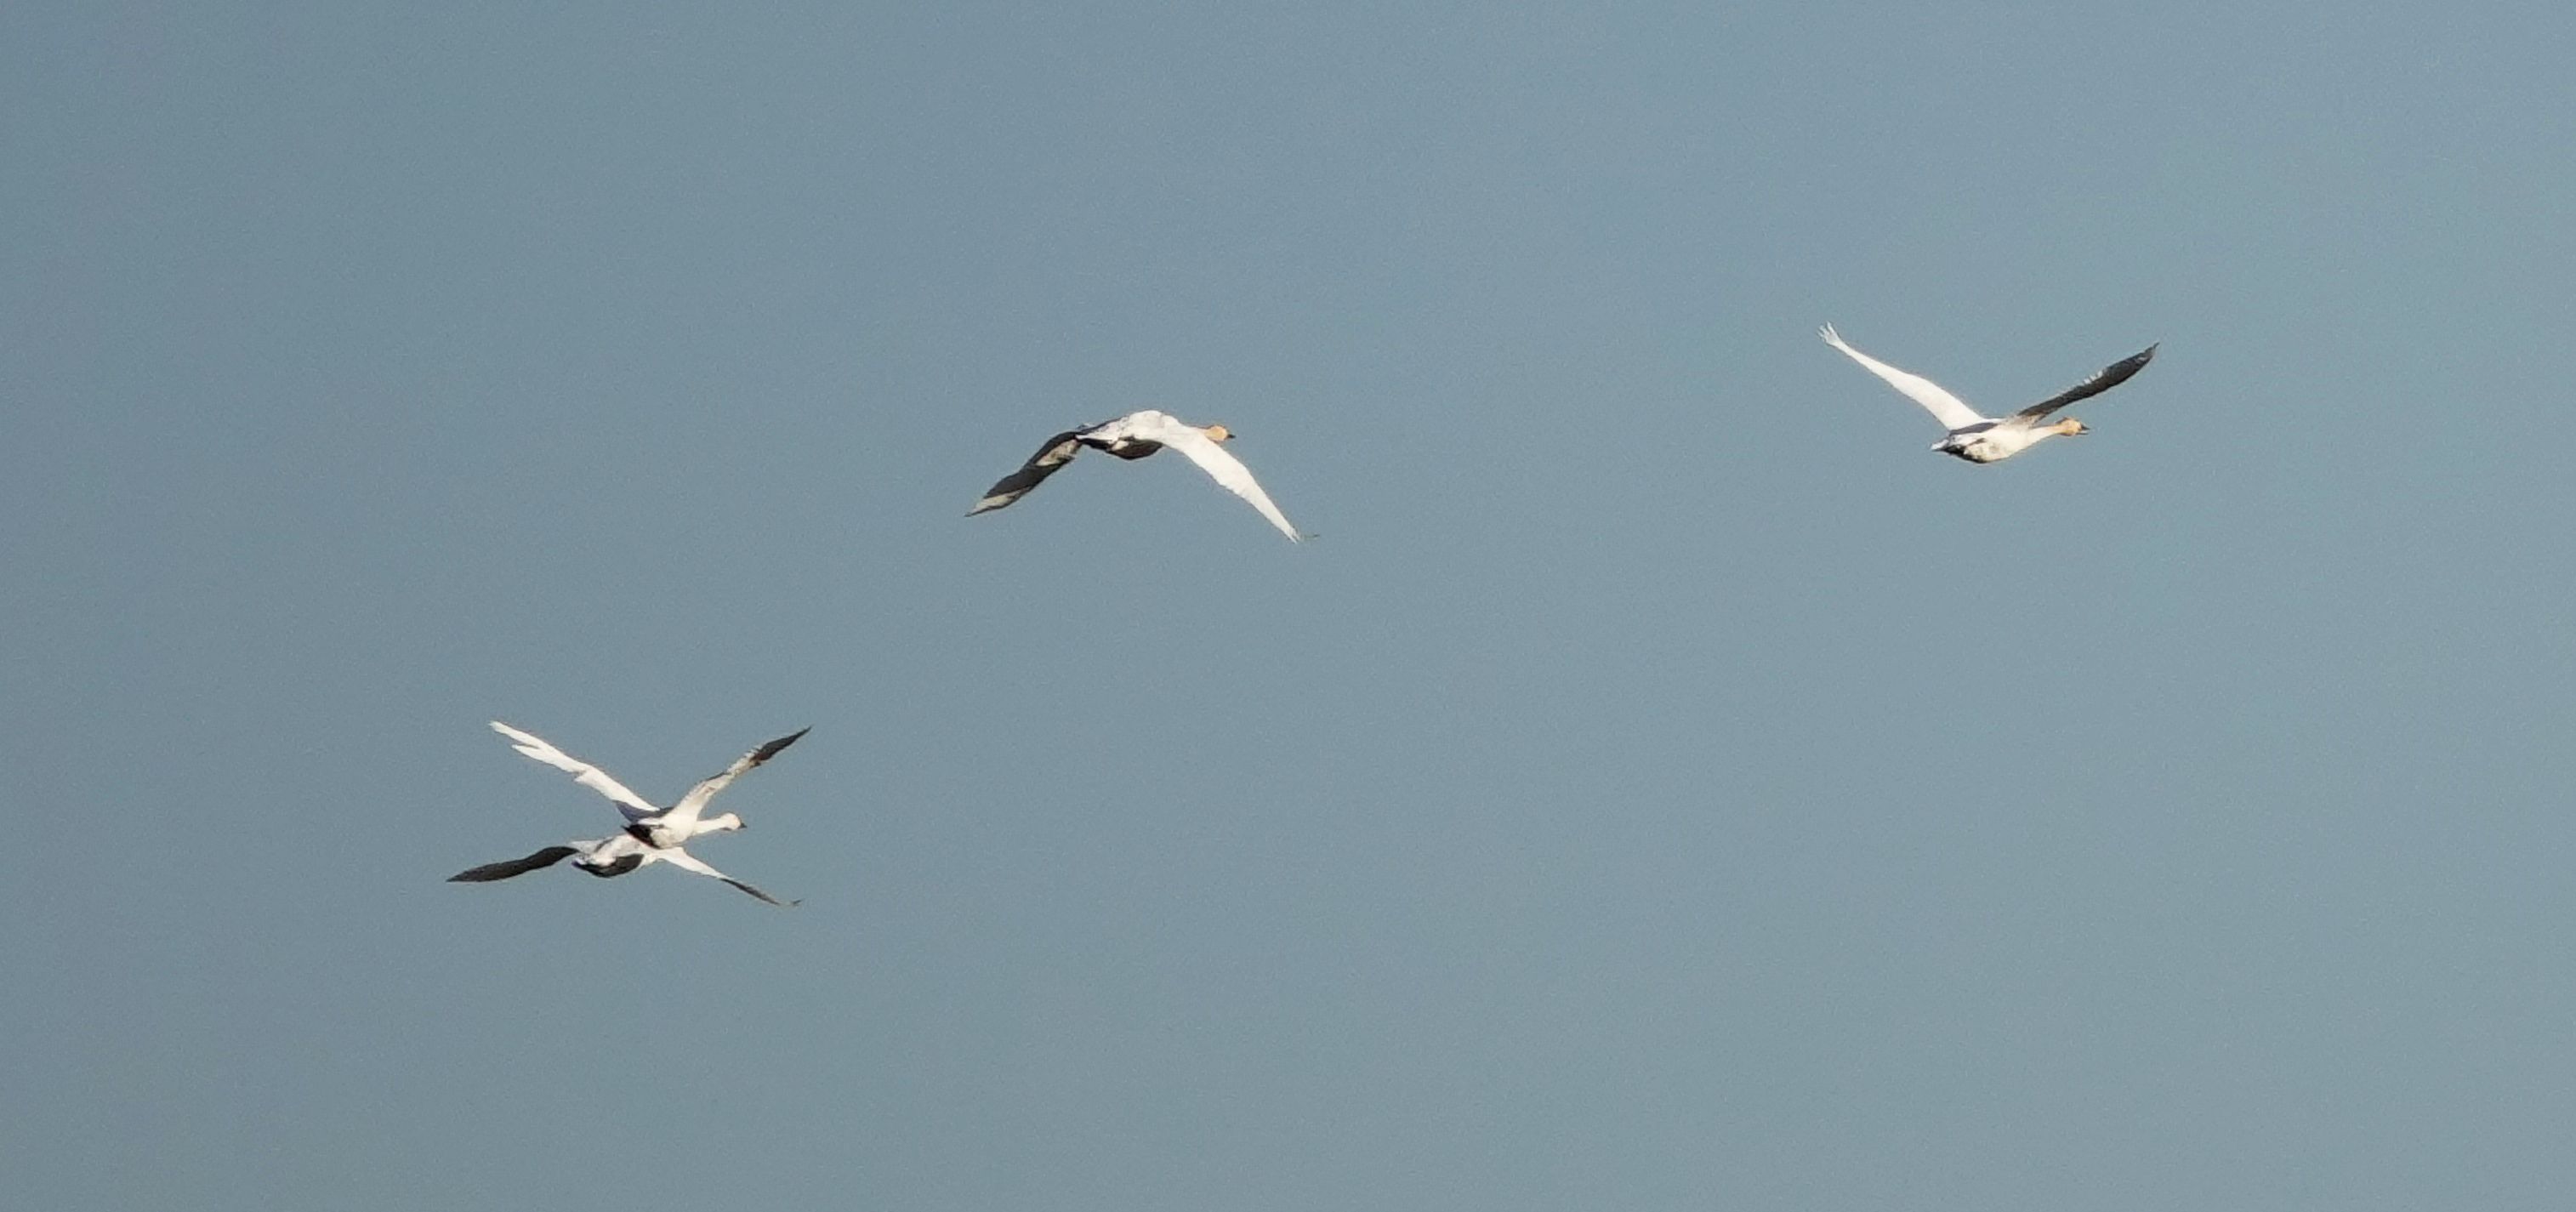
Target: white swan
pixel 652 835
pixel 1135 436
pixel 1981 439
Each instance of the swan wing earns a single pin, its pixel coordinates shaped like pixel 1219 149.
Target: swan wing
pixel 634 806
pixel 686 861
pixel 1213 459
pixel 1935 399
pixel 2112 376
pixel 1058 451
pixel 684 814
pixel 489 872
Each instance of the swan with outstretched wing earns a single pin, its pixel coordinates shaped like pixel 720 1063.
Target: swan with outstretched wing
pixel 1982 439
pixel 1135 436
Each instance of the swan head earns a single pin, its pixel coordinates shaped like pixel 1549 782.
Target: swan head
pixel 1217 433
pixel 2071 427
pixel 720 824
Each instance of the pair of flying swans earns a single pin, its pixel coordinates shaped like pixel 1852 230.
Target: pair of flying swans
pixel 652 835
pixel 1135 436
pixel 1982 439
pixel 1972 435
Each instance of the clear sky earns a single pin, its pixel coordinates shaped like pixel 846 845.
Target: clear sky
pixel 1663 784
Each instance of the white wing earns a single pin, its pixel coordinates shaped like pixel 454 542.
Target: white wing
pixel 684 814
pixel 635 807
pixel 1222 467
pixel 1944 407
pixel 686 861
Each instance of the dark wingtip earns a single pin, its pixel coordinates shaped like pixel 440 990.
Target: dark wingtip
pixel 771 749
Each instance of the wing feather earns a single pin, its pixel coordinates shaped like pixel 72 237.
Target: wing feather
pixel 2112 376
pixel 1935 399
pixel 686 861
pixel 685 813
pixel 1213 459
pixel 489 872
pixel 634 806
pixel 1058 451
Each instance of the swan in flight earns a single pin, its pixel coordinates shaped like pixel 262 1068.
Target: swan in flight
pixel 1980 439
pixel 1135 436
pixel 652 835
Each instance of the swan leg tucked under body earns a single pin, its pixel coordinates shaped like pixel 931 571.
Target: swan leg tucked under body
pixel 652 835
pixel 1135 436
pixel 1982 439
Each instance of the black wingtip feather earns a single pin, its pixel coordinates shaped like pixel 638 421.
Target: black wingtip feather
pixel 770 750
pixel 503 870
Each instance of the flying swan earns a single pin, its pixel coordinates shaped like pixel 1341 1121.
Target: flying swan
pixel 1981 439
pixel 652 835
pixel 1135 436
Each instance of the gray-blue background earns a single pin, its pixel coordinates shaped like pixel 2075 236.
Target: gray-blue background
pixel 1665 784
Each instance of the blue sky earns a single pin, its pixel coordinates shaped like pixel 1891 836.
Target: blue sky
pixel 1663 784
